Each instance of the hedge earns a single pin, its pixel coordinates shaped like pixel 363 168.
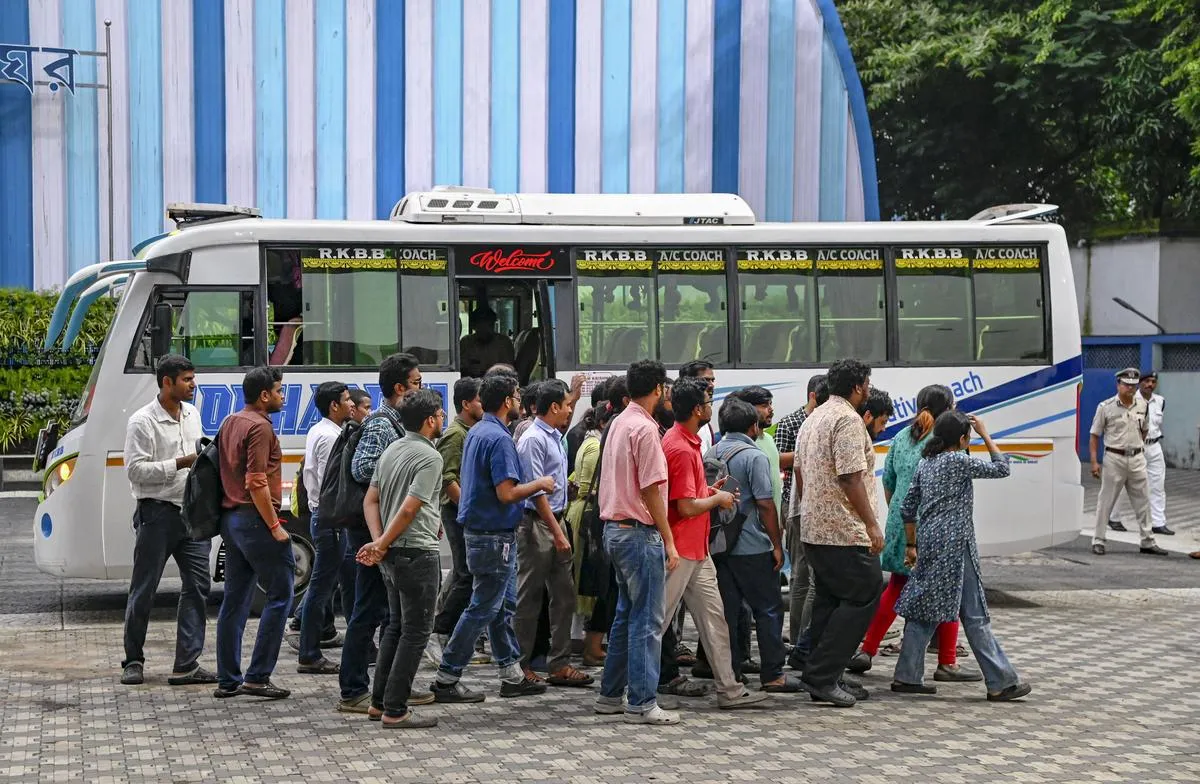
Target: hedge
pixel 37 386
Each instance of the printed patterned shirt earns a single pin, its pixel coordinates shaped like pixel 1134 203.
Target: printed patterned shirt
pixel 834 442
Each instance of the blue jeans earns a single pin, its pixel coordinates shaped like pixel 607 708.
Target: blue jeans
pixel 492 561
pixel 998 673
pixel 160 535
pixel 370 608
pixel 635 641
pixel 252 556
pixel 316 609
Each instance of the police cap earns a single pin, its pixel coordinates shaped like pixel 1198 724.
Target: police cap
pixel 1149 374
pixel 1129 376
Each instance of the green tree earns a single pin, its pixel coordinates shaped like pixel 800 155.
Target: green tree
pixel 1063 101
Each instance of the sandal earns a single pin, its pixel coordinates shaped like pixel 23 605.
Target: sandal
pixel 569 676
pixel 891 649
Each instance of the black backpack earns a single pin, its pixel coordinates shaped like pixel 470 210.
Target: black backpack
pixel 340 503
pixel 202 494
pixel 725 525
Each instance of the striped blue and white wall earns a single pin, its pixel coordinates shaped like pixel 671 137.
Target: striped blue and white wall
pixel 337 108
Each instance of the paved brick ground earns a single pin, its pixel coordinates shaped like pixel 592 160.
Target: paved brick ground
pixel 1109 645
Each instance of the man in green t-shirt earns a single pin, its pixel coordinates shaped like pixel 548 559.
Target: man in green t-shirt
pixel 402 512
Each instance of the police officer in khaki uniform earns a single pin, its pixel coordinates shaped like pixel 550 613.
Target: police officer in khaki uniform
pixel 1122 421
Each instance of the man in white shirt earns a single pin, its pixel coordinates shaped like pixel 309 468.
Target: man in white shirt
pixel 160 447
pixel 1156 464
pixel 333 401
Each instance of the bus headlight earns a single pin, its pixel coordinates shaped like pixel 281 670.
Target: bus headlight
pixel 57 476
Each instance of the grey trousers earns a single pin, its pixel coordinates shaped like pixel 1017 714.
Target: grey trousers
pixel 541 568
pixel 800 595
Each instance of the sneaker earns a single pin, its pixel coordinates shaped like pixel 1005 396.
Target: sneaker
pixel 859 662
pixel 132 674
pixel 608 706
pixel 526 687
pixel 421 698
pixel 751 666
pixel 433 648
pixel 955 673
pixel 455 692
pixel 655 715
pixel 321 666
pixel 683 686
pixel 359 704
pixel 332 642
pixel 193 678
pixel 270 691
pixel 480 657
pixel 410 721
pixel 743 700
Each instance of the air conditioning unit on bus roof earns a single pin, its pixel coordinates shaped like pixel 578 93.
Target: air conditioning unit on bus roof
pixel 479 205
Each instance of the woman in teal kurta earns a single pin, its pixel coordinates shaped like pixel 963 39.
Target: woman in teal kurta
pixel 898 470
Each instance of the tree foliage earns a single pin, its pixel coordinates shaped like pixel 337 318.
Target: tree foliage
pixel 1064 101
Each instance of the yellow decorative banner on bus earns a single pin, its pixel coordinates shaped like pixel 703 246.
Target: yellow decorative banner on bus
pixel 774 265
pixel 311 263
pixel 691 266
pixel 835 265
pixel 931 264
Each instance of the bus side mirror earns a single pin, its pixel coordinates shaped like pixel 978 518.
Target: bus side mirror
pixel 160 330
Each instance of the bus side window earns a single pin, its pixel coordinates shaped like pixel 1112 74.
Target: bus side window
pixel 323 311
pixel 211 327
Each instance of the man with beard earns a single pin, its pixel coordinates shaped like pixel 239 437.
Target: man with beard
pixel 662 412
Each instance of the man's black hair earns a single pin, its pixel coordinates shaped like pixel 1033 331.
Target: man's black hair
pixel 529 398
pixel 502 368
pixel 170 366
pixel 394 370
pixel 879 403
pixel 600 391
pixel 814 382
pixel 822 391
pixel 755 396
pixel 258 380
pixel 465 390
pixel 550 392
pixel 357 395
pixel 643 376
pixel 495 389
pixel 618 390
pixel 686 395
pixel 329 393
pixel 418 405
pixel 737 416
pixel 694 368
pixel 846 374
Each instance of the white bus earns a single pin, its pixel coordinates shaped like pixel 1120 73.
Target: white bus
pixel 580 283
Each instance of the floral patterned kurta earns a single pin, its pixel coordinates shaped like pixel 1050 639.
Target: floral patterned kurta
pixel 942 500
pixel 898 471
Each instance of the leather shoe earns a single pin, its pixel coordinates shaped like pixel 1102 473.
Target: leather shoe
pixel 1153 550
pixel 1098 549
pixel 1117 525
pixel 855 690
pixel 1162 530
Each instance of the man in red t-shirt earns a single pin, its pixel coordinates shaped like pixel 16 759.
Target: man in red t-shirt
pixel 689 501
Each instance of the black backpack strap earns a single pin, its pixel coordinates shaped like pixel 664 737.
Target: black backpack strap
pixel 386 411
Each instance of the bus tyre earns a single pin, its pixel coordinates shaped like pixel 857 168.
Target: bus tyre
pixel 305 556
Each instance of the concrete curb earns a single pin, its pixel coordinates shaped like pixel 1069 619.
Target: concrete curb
pixel 1126 597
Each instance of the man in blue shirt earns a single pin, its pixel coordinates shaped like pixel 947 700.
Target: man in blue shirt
pixel 489 509
pixel 545 561
pixel 750 572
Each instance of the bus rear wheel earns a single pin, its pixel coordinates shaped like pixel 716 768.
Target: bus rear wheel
pixel 305 555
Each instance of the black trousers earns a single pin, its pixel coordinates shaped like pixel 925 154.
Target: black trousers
pixel 846 586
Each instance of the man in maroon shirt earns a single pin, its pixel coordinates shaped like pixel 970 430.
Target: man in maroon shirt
pixel 689 502
pixel 258 549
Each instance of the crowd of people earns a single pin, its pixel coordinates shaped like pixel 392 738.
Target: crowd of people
pixel 574 548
